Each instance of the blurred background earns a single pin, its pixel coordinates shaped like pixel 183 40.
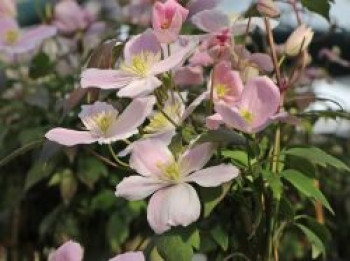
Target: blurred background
pixel 50 193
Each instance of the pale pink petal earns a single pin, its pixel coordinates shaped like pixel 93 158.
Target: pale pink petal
pixel 232 118
pixel 147 157
pixel 105 79
pixel 69 137
pixel 173 206
pixel 70 251
pixel 138 187
pixel 261 97
pixel 196 102
pixel 129 256
pixel 196 6
pixel 213 176
pixel 211 21
pixel 201 58
pixel 132 117
pixel 189 75
pixel 37 34
pixel 214 121
pixel 263 61
pixel 140 87
pixel 145 42
pixel 196 157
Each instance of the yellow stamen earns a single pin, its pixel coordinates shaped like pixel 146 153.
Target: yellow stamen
pixel 140 64
pixel 159 121
pixel 247 116
pixel 11 36
pixel 221 90
pixel 171 172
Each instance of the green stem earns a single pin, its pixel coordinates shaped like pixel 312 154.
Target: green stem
pixel 115 157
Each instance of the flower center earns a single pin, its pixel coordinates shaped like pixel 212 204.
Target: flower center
pixel 100 123
pixel 171 172
pixel 11 36
pixel 165 25
pixel 140 64
pixel 159 121
pixel 247 116
pixel 221 90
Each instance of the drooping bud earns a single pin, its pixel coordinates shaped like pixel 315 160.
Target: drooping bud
pixel 268 8
pixel 299 40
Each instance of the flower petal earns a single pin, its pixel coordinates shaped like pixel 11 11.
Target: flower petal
pixel 264 61
pixel 70 251
pixel 138 187
pixel 69 137
pixel 214 176
pixel 105 79
pixel 37 34
pixel 170 207
pixel 140 87
pixel 196 157
pixel 214 121
pixel 131 118
pixel 129 256
pixel 147 155
pixel 211 20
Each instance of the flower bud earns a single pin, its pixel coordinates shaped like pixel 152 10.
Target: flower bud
pixel 268 8
pixel 299 40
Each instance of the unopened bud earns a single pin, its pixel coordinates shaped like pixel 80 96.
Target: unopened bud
pixel 268 8
pixel 299 40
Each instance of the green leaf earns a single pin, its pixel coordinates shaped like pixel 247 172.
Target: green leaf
pixel 172 247
pixel 318 247
pixel 319 229
pixel 68 186
pixel 211 197
pixel 37 173
pixel 318 156
pixel 321 7
pixel 104 200
pixel 223 136
pixel 40 66
pixel 117 231
pixel 91 170
pixel 286 210
pixel 274 182
pixel 306 186
pixel 220 236
pixel 238 156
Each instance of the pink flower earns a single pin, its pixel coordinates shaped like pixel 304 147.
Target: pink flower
pixel 257 107
pixel 226 83
pixel 8 8
pixel 129 256
pixel 189 76
pixel 70 17
pixel 196 6
pixel 167 20
pixel 70 251
pixel 174 202
pixel 13 40
pixel 137 73
pixel 104 124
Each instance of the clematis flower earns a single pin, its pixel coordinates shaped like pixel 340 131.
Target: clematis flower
pixel 196 6
pixel 188 76
pixel 137 74
pixel 69 251
pixel 129 256
pixel 69 17
pixel 104 124
pixel 299 40
pixel 226 83
pixel 14 40
pixel 8 8
pixel 174 201
pixel 167 20
pixel 257 107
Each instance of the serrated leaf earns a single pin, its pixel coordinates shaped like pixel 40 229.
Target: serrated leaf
pixel 318 247
pixel 306 186
pixel 222 136
pixel 211 197
pixel 318 156
pixel 274 182
pixel 321 7
pixel 172 247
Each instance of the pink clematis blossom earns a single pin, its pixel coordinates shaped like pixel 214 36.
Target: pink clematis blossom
pixel 257 107
pixel 69 251
pixel 196 6
pixel 129 256
pixel 189 76
pixel 174 201
pixel 167 20
pixel 8 8
pixel 69 17
pixel 137 73
pixel 14 40
pixel 226 83
pixel 103 124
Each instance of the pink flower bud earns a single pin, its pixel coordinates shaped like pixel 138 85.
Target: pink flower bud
pixel 167 20
pixel 299 40
pixel 268 8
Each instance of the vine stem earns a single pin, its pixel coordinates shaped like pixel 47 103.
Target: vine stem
pixel 115 157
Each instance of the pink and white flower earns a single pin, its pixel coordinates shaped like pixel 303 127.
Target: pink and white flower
pixel 69 251
pixel 167 20
pixel 130 256
pixel 14 40
pixel 8 8
pixel 257 107
pixel 174 201
pixel 137 75
pixel 104 124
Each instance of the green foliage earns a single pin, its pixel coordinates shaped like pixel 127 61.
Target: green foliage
pixel 318 247
pixel 222 136
pixel 211 197
pixel 321 7
pixel 40 66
